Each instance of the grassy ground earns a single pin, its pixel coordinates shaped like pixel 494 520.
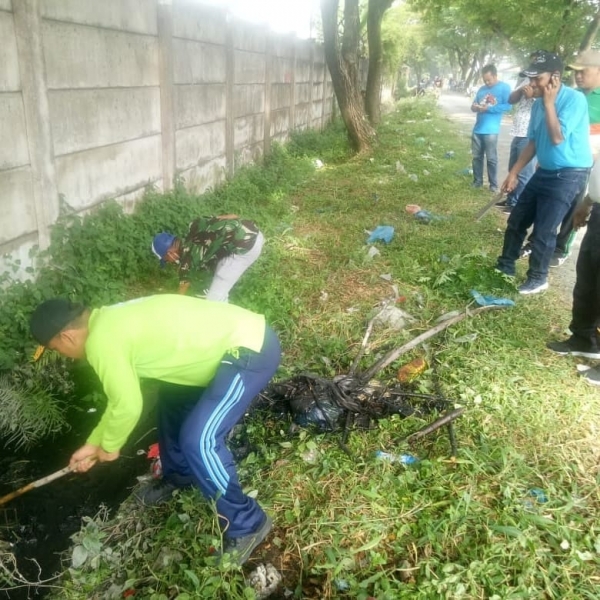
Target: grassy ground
pixel 356 527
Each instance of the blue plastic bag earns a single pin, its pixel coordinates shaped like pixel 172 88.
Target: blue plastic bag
pixel 384 233
pixel 490 300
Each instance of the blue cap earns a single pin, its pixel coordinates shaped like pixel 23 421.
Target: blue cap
pixel 161 244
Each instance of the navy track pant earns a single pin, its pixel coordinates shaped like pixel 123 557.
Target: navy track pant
pixel 194 422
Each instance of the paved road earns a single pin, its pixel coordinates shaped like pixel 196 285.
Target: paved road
pixel 458 108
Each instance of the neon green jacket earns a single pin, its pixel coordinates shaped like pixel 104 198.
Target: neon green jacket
pixel 171 338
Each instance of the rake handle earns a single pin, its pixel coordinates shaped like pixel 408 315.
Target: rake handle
pixel 35 484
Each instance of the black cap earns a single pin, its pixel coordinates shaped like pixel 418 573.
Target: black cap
pixel 51 317
pixel 543 62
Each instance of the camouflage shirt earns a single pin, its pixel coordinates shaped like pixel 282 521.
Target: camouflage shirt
pixel 211 239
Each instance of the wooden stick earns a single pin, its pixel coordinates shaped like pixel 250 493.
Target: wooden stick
pixel 364 344
pixel 443 420
pixel 35 484
pixel 395 354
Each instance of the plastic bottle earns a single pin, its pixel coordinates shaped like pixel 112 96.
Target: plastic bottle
pixel 413 177
pixel 405 459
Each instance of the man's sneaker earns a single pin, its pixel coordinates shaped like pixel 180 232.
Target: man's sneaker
pixel 494 190
pixel 240 549
pixel 574 346
pixel 502 203
pixel 155 492
pixel 507 209
pixel 532 287
pixel 557 261
pixel 525 251
pixel 592 376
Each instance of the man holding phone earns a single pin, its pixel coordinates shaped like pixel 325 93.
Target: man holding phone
pixel 559 136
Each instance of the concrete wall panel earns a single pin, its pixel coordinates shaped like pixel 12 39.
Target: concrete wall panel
pixel 302 116
pixel 207 175
pixel 195 145
pixel 9 71
pixel 14 149
pixel 282 70
pixel 197 62
pixel 201 23
pixel 249 37
pixel 83 119
pixel 283 46
pixel 126 15
pixel 197 104
pixel 83 57
pixel 5 5
pixel 249 131
pixel 302 93
pixel 248 155
pixel 88 177
pixel 302 71
pixel 16 204
pixel 280 122
pixel 248 99
pixel 280 95
pixel 249 67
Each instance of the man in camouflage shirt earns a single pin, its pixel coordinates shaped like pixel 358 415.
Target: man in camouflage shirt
pixel 225 245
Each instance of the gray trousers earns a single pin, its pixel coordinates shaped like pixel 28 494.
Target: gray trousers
pixel 230 269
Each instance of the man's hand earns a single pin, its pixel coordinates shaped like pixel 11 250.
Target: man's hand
pixel 84 458
pixel 104 456
pixel 509 184
pixel 582 212
pixel 527 91
pixel 550 91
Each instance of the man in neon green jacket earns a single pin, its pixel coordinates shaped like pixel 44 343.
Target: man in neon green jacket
pixel 221 356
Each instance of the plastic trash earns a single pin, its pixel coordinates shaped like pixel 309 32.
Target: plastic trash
pixel 426 172
pixel 490 300
pixel 373 252
pixel 466 171
pixel 375 197
pixel 405 459
pixel 424 216
pixel 538 495
pixel 318 163
pixel 413 177
pixel 400 167
pixel 411 209
pixel 384 233
pixel 420 140
pixel 411 370
pixel 449 154
pixel 394 318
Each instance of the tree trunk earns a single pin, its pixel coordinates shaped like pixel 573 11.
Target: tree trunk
pixel 343 67
pixel 375 13
pixel 590 33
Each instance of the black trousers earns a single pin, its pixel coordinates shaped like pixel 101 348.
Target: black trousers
pixel 586 293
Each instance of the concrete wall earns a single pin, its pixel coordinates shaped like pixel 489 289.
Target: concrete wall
pixel 99 100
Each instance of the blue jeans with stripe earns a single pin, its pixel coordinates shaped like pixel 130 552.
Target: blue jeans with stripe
pixel 193 424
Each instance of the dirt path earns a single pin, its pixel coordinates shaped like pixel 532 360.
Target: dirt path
pixel 458 108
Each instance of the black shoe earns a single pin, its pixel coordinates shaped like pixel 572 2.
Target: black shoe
pixel 574 346
pixel 557 261
pixel 525 251
pixel 155 492
pixel 592 376
pixel 502 203
pixel 531 286
pixel 240 548
pixel 507 209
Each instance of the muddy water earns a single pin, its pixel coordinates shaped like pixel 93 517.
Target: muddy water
pixel 36 527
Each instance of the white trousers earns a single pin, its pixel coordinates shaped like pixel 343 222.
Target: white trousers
pixel 230 269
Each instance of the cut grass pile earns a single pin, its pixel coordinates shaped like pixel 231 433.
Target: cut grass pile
pixel 356 527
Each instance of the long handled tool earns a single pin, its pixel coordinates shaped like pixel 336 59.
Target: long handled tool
pixel 486 209
pixel 35 484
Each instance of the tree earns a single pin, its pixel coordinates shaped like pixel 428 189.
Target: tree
pixel 343 63
pixel 375 12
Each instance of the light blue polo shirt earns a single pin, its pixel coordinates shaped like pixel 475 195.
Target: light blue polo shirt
pixel 574 151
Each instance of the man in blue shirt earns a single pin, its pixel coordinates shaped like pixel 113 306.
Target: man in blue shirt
pixel 490 102
pixel 559 135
